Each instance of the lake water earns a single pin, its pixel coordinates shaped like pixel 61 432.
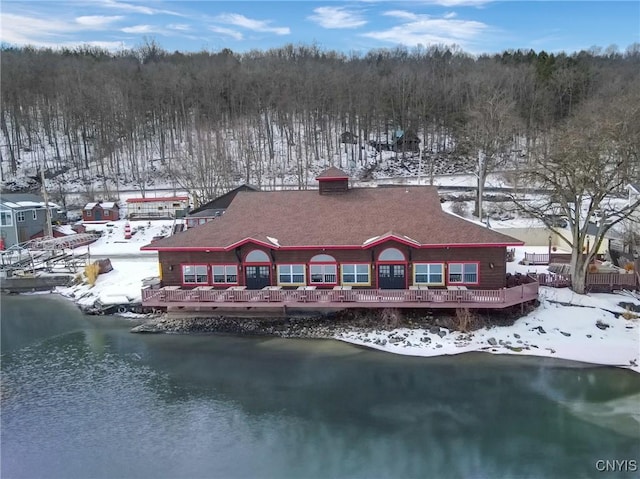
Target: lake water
pixel 84 398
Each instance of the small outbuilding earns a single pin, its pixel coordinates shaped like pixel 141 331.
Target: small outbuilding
pixel 101 212
pixel 157 208
pixel 406 141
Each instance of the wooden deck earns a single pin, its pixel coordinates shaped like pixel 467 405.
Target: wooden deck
pixel 173 298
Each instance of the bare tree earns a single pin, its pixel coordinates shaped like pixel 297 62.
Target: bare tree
pixel 580 164
pixel 492 122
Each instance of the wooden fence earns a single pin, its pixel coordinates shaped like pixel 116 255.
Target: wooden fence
pixel 596 282
pixel 546 258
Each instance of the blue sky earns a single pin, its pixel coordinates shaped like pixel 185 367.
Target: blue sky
pixel 476 26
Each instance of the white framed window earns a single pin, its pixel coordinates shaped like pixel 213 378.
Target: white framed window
pixel 89 213
pixel 428 273
pixel 323 273
pixel 5 218
pixel 195 274
pixel 20 216
pixel 463 273
pixel 359 274
pixel 291 274
pixel 225 273
pixel 35 214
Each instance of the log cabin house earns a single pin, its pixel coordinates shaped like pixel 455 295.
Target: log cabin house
pixel 355 246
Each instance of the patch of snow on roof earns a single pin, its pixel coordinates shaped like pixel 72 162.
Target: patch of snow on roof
pixel 65 229
pixel 410 239
pixel 10 204
pixel 90 206
pixel 108 204
pixel 370 240
pixel 29 203
pixel 273 240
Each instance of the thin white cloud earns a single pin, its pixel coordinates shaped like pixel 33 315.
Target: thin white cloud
pixel 168 31
pixel 251 24
pixel 450 15
pixel 457 3
pixel 337 17
pixel 128 7
pixel 142 29
pixel 180 27
pixel 48 32
pixel 228 32
pixel 136 8
pixel 23 30
pixel 97 20
pixel 402 14
pixel 419 29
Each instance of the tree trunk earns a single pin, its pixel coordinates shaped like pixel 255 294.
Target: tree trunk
pixel 579 275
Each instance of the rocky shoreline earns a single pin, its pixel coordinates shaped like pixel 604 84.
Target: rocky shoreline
pixel 327 326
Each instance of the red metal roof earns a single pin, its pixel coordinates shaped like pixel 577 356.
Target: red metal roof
pixel 357 219
pixel 151 200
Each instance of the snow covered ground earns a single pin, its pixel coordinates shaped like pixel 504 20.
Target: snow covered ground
pixel 582 328
pixel 586 328
pixel 112 243
pixel 130 265
pixel 566 325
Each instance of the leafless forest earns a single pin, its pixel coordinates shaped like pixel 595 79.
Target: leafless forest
pixel 211 119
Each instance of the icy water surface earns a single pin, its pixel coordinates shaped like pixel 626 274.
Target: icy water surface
pixel 84 398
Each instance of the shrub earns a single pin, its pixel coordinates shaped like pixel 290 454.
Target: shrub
pixel 390 318
pixel 465 320
pixel 459 208
pixel 91 271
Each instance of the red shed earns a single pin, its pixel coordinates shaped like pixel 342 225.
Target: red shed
pixel 101 212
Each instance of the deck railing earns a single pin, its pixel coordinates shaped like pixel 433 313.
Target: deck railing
pixel 536 258
pixel 403 298
pixel 614 279
pixel 554 280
